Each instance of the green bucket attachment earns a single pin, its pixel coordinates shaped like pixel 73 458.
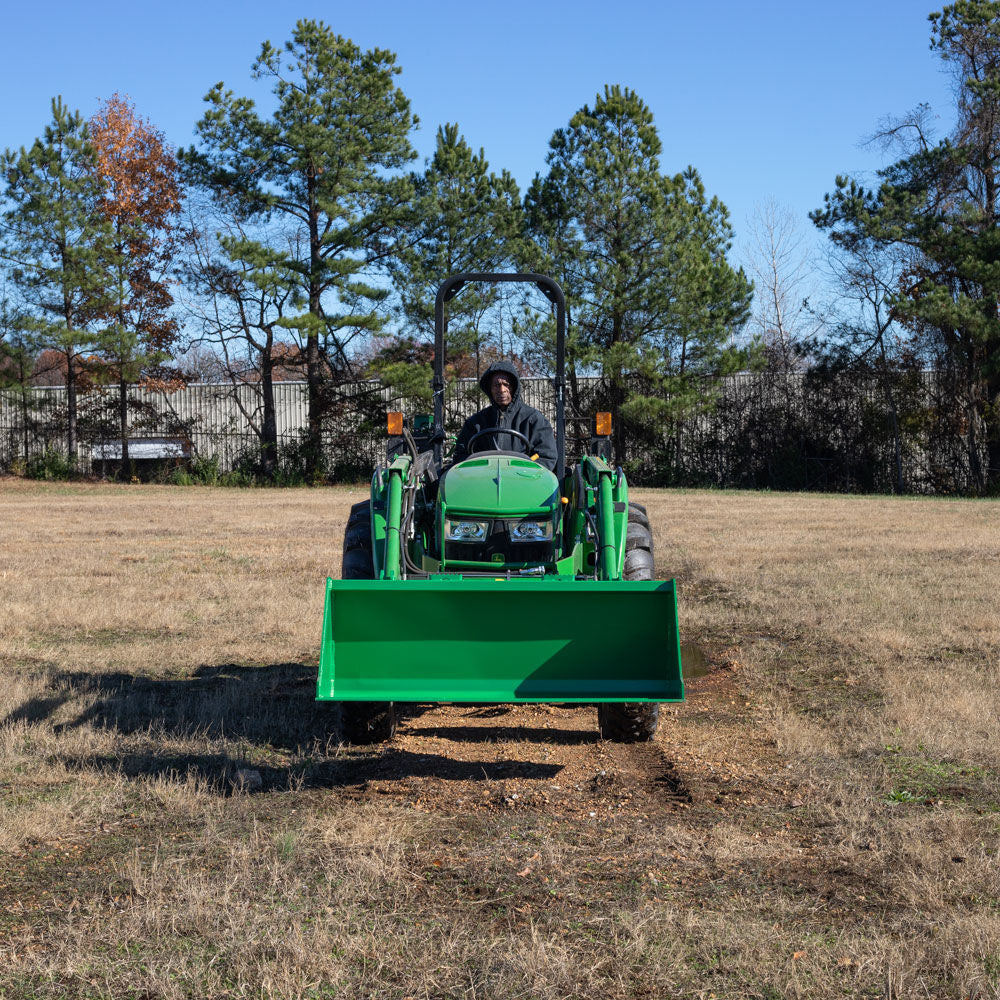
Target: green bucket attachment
pixel 486 640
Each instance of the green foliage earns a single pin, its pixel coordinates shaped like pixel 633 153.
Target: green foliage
pixel 642 258
pixel 465 218
pixel 404 365
pixel 925 778
pixel 939 207
pixel 199 472
pixel 18 352
pixel 56 235
pixel 290 469
pixel 205 471
pixel 316 181
pixel 51 464
pixel 18 348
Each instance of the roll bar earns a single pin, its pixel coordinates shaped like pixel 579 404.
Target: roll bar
pixel 450 287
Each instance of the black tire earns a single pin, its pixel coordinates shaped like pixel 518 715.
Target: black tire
pixel 637 514
pixel 639 565
pixel 357 562
pixel 358 535
pixel 629 721
pixel 360 512
pixel 632 721
pixel 365 722
pixel 357 565
pixel 638 536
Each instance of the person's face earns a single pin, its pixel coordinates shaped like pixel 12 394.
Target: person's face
pixel 500 389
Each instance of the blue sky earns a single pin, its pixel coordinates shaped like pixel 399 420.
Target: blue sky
pixel 766 99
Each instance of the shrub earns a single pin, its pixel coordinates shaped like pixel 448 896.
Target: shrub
pixel 51 464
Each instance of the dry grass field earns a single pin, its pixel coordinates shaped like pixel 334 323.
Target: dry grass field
pixel 821 818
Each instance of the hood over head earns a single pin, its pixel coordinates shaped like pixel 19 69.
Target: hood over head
pixel 507 369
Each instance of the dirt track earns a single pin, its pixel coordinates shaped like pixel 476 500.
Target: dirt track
pixel 461 758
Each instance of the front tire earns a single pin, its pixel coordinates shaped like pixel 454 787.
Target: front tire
pixel 628 721
pixel 632 721
pixel 366 722
pixel 363 722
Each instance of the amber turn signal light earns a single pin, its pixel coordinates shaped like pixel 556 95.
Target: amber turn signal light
pixel 602 425
pixel 394 422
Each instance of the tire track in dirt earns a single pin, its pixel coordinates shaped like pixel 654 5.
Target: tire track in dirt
pixel 514 757
pixel 713 754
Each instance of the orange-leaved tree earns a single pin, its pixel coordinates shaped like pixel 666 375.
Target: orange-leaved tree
pixel 141 198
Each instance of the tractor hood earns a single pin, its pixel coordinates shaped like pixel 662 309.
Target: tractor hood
pixel 499 484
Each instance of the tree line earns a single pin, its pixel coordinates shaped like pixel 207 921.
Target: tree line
pixel 306 240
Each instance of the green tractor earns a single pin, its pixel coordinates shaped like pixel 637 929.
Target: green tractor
pixel 494 579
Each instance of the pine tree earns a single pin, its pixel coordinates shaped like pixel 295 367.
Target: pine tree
pixel 317 178
pixel 938 207
pixel 55 236
pixel 465 218
pixel 643 256
pixel 18 352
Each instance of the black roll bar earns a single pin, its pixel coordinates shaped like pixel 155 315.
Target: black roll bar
pixel 450 287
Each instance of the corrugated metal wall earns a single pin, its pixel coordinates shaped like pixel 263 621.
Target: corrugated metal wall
pixel 792 431
pixel 219 420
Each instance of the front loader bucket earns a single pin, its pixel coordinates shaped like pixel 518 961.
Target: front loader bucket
pixel 484 640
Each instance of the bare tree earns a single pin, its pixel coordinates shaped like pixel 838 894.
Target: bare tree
pixel 201 363
pixel 871 279
pixel 783 269
pixel 240 305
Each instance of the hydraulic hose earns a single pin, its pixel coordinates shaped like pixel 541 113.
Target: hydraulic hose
pixel 412 570
pixel 593 528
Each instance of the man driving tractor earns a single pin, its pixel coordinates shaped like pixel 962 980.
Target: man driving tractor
pixel 507 413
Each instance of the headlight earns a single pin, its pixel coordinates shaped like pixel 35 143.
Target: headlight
pixel 466 531
pixel 530 531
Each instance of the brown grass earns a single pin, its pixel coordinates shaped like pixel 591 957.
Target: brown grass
pixel 820 819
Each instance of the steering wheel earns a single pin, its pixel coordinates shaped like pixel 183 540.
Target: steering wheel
pixel 499 430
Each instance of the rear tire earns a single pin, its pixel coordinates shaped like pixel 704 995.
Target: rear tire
pixel 638 565
pixel 637 514
pixel 357 565
pixel 358 534
pixel 632 721
pixel 638 536
pixel 363 722
pixel 357 562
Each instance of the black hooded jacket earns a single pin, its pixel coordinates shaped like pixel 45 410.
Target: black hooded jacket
pixel 518 416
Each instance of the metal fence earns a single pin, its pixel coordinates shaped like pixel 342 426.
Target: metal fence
pixel 779 431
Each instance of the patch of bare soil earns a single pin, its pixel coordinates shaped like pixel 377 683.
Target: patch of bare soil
pixel 551 759
pixel 454 758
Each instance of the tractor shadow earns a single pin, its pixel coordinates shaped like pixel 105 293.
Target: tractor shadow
pixel 180 723
pixel 391 764
pixel 499 730
pixel 506 734
pixel 272 705
pixel 222 774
